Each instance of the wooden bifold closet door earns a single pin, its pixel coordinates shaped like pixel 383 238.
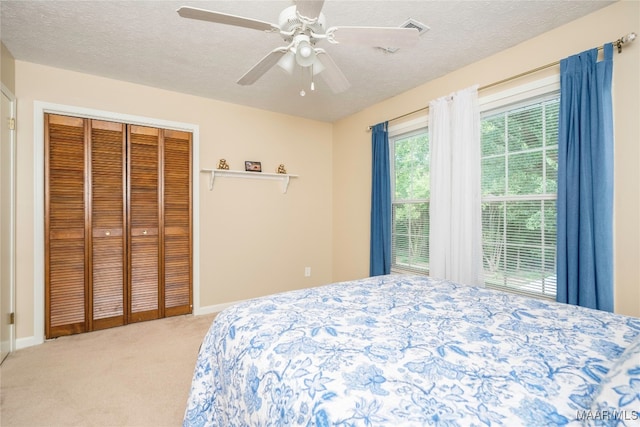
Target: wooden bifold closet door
pixel 117 224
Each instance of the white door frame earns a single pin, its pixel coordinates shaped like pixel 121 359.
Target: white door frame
pixel 39 110
pixel 12 223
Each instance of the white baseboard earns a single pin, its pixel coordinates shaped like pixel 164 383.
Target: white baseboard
pixel 28 342
pixel 217 308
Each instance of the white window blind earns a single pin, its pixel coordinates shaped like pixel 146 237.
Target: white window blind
pixel 410 205
pixel 519 175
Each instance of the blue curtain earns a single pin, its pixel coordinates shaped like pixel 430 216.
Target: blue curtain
pixel 585 181
pixel 380 254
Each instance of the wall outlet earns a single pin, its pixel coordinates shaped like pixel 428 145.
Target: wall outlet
pixel 307 272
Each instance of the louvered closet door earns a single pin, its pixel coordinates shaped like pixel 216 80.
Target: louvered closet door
pixel 66 285
pixel 118 224
pixel 144 220
pixel 177 222
pixel 108 224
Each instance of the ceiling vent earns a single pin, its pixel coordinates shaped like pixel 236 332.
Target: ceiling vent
pixel 409 23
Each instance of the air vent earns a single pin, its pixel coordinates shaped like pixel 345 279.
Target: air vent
pixel 409 23
pixel 412 23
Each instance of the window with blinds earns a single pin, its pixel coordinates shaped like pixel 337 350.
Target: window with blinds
pixel 410 201
pixel 519 175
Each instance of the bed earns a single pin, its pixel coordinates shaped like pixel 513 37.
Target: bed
pixel 405 350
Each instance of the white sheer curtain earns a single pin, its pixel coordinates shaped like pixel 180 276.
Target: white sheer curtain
pixel 455 245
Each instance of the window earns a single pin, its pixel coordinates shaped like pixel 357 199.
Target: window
pixel 519 138
pixel 519 174
pixel 410 201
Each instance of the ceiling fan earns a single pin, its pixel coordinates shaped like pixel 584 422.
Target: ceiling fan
pixel 302 26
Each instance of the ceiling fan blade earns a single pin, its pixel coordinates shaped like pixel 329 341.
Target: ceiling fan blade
pixel 224 18
pixel 262 67
pixel 309 8
pixel 331 74
pixel 375 36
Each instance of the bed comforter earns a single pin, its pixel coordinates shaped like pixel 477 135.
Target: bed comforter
pixel 410 351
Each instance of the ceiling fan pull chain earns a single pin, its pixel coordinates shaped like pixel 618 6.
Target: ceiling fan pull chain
pixel 302 91
pixel 313 86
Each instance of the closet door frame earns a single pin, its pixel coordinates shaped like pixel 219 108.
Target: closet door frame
pixel 39 109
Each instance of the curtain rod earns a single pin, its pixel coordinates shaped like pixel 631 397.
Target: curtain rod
pixel 618 43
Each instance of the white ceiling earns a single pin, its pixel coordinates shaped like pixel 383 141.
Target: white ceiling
pixel 146 42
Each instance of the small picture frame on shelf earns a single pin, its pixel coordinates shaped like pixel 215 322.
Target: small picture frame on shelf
pixel 251 166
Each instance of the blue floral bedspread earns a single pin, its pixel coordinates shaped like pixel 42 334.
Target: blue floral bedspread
pixel 403 351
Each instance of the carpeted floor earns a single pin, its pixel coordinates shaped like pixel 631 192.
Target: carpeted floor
pixel 135 375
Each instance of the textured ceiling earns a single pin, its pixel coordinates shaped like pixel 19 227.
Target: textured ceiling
pixel 147 42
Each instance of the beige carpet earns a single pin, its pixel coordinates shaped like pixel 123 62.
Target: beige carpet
pixel 135 375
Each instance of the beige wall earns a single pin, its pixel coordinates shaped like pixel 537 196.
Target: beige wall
pixel 352 157
pixel 7 68
pixel 254 240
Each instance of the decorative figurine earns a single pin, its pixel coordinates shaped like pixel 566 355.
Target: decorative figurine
pixel 281 169
pixel 223 164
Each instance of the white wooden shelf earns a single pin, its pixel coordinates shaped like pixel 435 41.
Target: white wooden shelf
pixel 283 177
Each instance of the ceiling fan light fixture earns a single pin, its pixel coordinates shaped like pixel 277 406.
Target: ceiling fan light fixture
pixel 288 62
pixel 305 50
pixel 305 53
pixel 317 67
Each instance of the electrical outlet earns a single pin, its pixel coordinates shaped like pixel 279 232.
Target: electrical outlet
pixel 307 272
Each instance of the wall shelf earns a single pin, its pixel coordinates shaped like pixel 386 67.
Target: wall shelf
pixel 284 178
